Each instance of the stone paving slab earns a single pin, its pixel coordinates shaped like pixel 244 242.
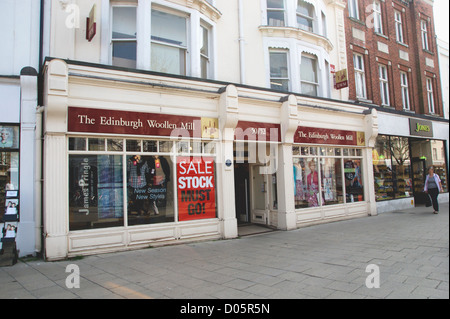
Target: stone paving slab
pixel 327 261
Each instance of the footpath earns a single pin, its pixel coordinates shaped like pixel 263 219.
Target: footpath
pixel 403 254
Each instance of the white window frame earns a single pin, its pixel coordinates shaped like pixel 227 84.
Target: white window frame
pixel 353 9
pixel 207 56
pixel 398 26
pixel 283 10
pixel 112 40
pixel 405 91
pixel 317 83
pixel 430 96
pixel 384 84
pixel 360 76
pixel 307 17
pixel 377 17
pixel 286 52
pixel 424 32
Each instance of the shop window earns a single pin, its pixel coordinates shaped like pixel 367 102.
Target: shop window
pixel 275 13
pixel 392 168
pixel 439 162
pixel 139 186
pixel 95 191
pixel 279 74
pixel 124 41
pixel 326 176
pixel 9 161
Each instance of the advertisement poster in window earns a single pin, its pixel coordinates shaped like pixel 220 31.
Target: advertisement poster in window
pixel 196 188
pixel 9 136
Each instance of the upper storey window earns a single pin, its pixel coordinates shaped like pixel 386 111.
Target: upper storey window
pixel 353 9
pixel 162 38
pixel 124 36
pixel 169 43
pixel 305 16
pixel 275 13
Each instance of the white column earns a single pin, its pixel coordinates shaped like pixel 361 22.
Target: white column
pixel 228 118
pixel 28 104
pixel 285 174
pixel 55 214
pixel 371 134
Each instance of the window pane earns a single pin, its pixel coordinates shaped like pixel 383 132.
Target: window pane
pixel 124 54
pixel 165 146
pixel 278 65
pixel 115 145
pixel 168 59
pixel 279 4
pixel 401 167
pixel 275 18
pixel 133 145
pixel 169 28
pixel 279 85
pixel 438 161
pixel 9 175
pixel 309 89
pixel 308 69
pixel 150 146
pixel 150 197
pixel 382 168
pixel 96 144
pixel 124 23
pixel 95 191
pixel 353 180
pixel 331 173
pixel 77 144
pixel 300 191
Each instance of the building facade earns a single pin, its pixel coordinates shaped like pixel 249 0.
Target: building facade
pixel 394 66
pixel 19 181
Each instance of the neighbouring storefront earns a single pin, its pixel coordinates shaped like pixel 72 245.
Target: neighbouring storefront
pixel 401 162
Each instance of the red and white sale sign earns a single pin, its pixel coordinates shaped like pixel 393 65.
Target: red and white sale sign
pixel 196 188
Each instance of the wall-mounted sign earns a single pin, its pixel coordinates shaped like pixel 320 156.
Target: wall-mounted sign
pixel 256 131
pixel 90 120
pixel 196 188
pixel 420 128
pixel 312 135
pixel 91 24
pixel 341 79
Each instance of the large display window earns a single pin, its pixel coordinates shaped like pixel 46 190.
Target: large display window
pixel 9 160
pixel 327 176
pixel 125 182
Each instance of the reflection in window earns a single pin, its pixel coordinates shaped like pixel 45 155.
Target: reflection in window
pixel 275 13
pixel 169 43
pixel 279 76
pixel 149 187
pixel 305 15
pixel 353 180
pixel 124 37
pixel 331 173
pixel 95 191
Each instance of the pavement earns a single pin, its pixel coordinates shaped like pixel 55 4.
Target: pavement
pixel 398 255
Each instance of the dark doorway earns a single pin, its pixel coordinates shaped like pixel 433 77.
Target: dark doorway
pixel 242 191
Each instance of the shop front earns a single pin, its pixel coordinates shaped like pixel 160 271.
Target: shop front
pixel 401 162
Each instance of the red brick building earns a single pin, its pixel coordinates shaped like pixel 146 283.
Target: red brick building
pixel 393 66
pixel 392 55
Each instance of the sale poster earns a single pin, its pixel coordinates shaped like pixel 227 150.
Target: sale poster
pixel 196 188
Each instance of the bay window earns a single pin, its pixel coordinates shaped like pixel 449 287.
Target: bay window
pixel 275 13
pixel 305 16
pixel 124 36
pixel 169 43
pixel 279 74
pixel 308 75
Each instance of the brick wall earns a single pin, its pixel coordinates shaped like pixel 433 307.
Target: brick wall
pixel 382 48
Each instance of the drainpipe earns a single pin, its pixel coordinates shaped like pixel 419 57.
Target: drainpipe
pixel 38 180
pixel 241 40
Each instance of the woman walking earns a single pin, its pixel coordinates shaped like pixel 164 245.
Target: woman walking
pixel 432 187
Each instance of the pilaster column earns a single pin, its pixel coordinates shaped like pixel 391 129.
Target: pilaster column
pixel 285 173
pixel 55 161
pixel 228 119
pixel 371 134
